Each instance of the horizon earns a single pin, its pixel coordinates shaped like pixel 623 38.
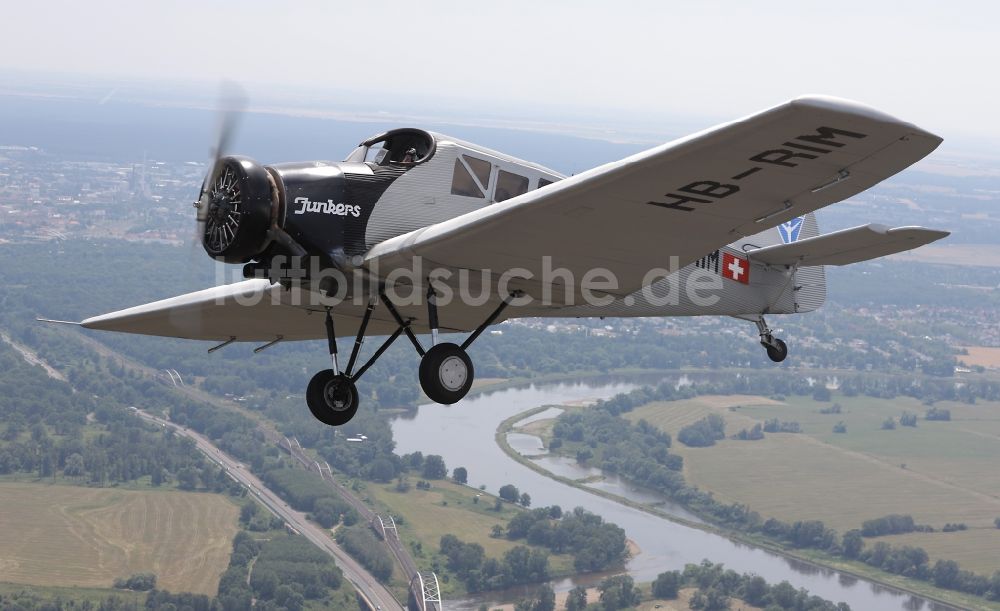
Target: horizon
pixel 605 66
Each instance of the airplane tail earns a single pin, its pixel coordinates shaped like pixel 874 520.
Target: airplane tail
pixel 809 288
pixel 806 290
pixel 798 246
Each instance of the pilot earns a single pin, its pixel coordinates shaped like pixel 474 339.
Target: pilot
pixel 411 155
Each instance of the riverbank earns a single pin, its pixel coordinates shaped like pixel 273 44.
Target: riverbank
pixel 816 559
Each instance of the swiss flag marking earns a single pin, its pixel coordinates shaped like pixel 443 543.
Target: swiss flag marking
pixel 735 268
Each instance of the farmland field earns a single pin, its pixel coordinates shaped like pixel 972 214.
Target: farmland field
pixel 982 356
pixel 87 537
pixel 938 472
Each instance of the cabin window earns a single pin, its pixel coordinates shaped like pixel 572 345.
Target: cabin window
pixel 510 185
pixel 544 182
pixel 462 183
pixel 480 168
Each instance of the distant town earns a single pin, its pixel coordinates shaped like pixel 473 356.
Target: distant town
pixel 44 197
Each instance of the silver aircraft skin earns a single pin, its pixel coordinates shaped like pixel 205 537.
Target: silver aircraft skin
pixel 417 232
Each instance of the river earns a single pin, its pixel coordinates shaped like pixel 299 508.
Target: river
pixel 463 434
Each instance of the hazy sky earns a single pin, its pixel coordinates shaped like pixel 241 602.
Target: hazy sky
pixel 931 62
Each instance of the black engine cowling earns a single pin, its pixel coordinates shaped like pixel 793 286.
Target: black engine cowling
pixel 241 204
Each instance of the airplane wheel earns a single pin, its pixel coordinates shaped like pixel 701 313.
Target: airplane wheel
pixel 446 373
pixel 332 399
pixel 777 351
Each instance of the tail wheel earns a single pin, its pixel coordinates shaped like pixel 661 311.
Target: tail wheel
pixel 332 398
pixel 446 373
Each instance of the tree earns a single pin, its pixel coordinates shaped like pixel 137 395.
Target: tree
pixel 525 499
pixel 74 465
pixel 888 424
pixel 822 393
pixel 853 543
pixel 704 432
pixel 667 584
pixel 840 427
pixel 755 591
pixel 434 467
pixel 577 599
pixel 381 470
pixel 618 592
pixel 509 493
pixel 711 599
pixel 460 475
pixel 938 413
pixel 264 583
pixel 546 599
pixel 289 598
pixel 187 479
pixel 248 511
pixel 945 573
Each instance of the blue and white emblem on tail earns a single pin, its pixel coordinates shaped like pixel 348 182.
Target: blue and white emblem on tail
pixel 790 231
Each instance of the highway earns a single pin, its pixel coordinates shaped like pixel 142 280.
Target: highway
pixel 377 595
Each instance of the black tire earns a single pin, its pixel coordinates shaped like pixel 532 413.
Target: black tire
pixel 446 373
pixel 332 399
pixel 778 351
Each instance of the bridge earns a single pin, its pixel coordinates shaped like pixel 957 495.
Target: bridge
pixel 385 527
pixel 425 592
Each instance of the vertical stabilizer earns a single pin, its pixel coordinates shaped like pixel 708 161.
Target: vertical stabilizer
pixel 810 282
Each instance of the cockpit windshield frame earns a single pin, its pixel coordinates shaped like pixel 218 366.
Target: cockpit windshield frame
pixel 406 146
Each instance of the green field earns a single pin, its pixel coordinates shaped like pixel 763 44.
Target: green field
pixel 87 537
pixel 938 472
pixel 428 518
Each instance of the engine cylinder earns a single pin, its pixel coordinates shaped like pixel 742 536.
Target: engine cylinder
pixel 239 210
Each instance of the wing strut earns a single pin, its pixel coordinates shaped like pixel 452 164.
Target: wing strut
pixel 489 320
pixel 404 324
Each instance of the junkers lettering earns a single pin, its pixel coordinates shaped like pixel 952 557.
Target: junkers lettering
pixel 789 155
pixel 327 207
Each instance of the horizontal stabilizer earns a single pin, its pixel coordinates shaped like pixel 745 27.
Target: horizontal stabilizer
pixel 847 246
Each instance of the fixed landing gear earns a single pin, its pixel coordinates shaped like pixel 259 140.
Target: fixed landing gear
pixel 332 398
pixel 776 349
pixel 446 372
pixel 331 395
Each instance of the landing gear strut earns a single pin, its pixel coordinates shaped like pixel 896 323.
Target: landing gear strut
pixel 776 349
pixel 332 396
pixel 446 371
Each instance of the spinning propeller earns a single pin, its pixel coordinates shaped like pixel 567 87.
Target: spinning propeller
pixel 220 205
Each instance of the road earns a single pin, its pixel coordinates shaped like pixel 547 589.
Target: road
pixel 395 545
pixel 369 587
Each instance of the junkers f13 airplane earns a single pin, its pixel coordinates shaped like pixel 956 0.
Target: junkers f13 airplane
pixel 717 223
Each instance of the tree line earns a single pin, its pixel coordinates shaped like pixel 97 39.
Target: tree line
pixel 519 565
pixel 595 545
